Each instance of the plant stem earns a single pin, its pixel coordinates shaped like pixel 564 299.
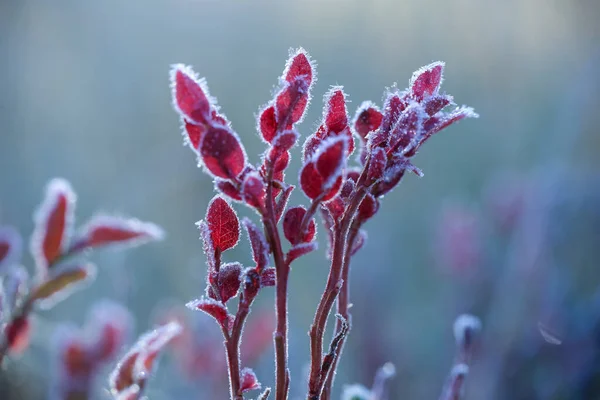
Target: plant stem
pixel 232 347
pixel 343 303
pixel 282 273
pixel 332 288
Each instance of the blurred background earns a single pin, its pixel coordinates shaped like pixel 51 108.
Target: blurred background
pixel 505 224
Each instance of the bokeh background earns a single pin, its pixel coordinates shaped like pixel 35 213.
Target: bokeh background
pixel 505 224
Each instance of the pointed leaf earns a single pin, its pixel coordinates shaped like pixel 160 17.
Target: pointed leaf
pixel 299 65
pixel 253 190
pixel 300 249
pixel 335 114
pixel 17 334
pixel 229 280
pixel 282 201
pixel 368 119
pixel 223 224
pixel 292 222
pixel 190 94
pixel 53 223
pixel 222 153
pixel 330 159
pixel 63 284
pixel 258 243
pixel 267 124
pixel 426 80
pixel 212 307
pixel 248 380
pixel 107 230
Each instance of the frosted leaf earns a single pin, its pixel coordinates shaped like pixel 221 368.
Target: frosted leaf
pixel 211 307
pixel 109 230
pixel 258 243
pixel 62 284
pixel 301 249
pixel 223 224
pixel 190 95
pixel 427 80
pixel 53 222
pixel 248 380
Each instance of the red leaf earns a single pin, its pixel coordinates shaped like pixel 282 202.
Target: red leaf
pixel 190 94
pixel 53 222
pixel 282 160
pixel 335 114
pixel 248 380
pixel 193 134
pixel 368 119
pixel 11 247
pixel 253 190
pixel 135 367
pixel 286 140
pixel 300 250
pixel 392 108
pixel 123 376
pixel 229 280
pixel 110 324
pixel 267 124
pixel 436 103
pixel 426 80
pixel 105 230
pixel 292 222
pixel 228 189
pixel 291 103
pixel 311 145
pixel 409 127
pixel 433 125
pixel 377 164
pixel 330 159
pixel 282 201
pixel 336 208
pixel 299 65
pixel 258 243
pixel 212 307
pixel 311 181
pixel 368 207
pixel 222 153
pixel 223 224
pixel 74 358
pixel 17 334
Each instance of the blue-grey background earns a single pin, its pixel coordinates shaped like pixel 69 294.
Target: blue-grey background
pixel 84 94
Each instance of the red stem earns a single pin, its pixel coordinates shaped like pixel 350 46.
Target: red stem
pixel 282 273
pixel 343 303
pixel 332 288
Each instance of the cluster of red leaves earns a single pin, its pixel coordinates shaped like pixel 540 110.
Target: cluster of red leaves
pixel 81 353
pixel 347 196
pixel 56 251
